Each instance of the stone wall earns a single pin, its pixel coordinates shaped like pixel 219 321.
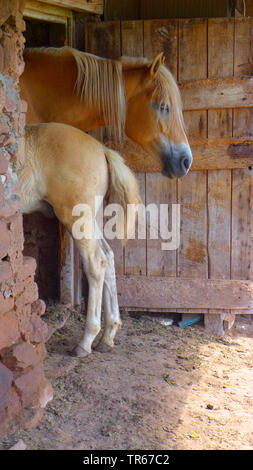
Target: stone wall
pixel 24 390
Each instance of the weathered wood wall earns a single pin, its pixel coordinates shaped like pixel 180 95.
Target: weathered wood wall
pixel 216 205
pixel 150 9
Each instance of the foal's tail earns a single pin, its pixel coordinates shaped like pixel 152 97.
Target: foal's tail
pixel 125 187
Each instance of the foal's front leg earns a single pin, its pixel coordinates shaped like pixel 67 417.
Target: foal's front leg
pixel 94 264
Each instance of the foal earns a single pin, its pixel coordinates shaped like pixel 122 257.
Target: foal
pixel 66 167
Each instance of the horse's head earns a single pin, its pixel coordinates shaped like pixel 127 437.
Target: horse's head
pixel 154 115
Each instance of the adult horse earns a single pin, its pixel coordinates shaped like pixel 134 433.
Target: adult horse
pixel 131 95
pixel 66 167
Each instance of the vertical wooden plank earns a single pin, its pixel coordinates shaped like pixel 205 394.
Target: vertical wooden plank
pixel 243 58
pixel 192 49
pixel 243 65
pixel 192 66
pixel 220 64
pixel 160 190
pixel 192 253
pixel 192 256
pixel 219 224
pixel 196 124
pixel 242 180
pixel 220 47
pixel 132 38
pixel 77 36
pixel 103 39
pixel 242 225
pixel 135 250
pixel 162 35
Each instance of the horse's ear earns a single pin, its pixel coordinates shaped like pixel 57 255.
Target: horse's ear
pixel 156 64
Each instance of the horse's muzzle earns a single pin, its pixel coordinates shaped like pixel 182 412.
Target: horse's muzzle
pixel 177 162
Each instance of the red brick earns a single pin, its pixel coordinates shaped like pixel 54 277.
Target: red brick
pixel 28 268
pixel 6 378
pixel 1 59
pixel 31 293
pixel 16 230
pixel 7 9
pixel 38 307
pixel 14 404
pixel 28 384
pixel 22 106
pixel 20 286
pixel 15 224
pixel 10 105
pixel 2 97
pixel 13 66
pixel 21 307
pixel 24 316
pixel 4 162
pixel 5 271
pixel 40 351
pixel 6 304
pixel 4 239
pixel 4 128
pixel 38 330
pixel 9 329
pixel 19 357
pixel 19 158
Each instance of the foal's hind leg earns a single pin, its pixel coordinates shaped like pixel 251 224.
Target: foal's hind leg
pixel 94 264
pixel 110 302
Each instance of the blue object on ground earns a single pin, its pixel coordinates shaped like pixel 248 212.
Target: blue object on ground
pixel 192 320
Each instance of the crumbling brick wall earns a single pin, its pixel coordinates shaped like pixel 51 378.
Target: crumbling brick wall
pixel 24 390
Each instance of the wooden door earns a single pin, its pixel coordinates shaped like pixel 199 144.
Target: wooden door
pixel 212 269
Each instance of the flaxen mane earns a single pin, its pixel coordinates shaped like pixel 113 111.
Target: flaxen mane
pixel 99 83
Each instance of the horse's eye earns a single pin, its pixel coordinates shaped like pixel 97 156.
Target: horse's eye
pixel 164 108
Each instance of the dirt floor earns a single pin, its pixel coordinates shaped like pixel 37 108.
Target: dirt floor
pixel 162 387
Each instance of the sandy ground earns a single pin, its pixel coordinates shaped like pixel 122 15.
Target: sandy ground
pixel 162 387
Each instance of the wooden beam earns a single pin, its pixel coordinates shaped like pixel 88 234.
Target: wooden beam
pixel 208 154
pixel 41 11
pixel 92 6
pixel 221 154
pixel 216 93
pixel 169 293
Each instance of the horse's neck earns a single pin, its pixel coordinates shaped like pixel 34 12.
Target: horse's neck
pixel 47 84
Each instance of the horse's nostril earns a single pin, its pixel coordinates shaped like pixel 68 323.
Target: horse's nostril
pixel 186 163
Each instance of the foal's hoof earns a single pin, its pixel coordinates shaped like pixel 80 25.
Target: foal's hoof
pixel 78 351
pixel 103 348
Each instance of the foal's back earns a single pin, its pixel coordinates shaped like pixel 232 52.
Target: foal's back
pixel 72 166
